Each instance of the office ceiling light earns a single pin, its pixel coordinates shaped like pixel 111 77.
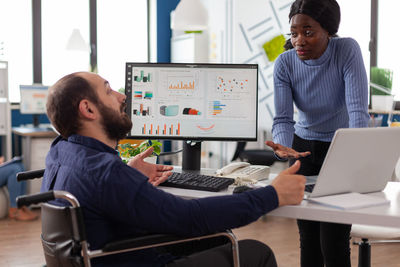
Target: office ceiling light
pixel 189 15
pixel 76 42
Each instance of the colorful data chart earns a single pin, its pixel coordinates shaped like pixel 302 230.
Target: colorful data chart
pixel 217 107
pixel 171 110
pixel 164 129
pixel 139 76
pixel 190 111
pixel 148 95
pixel 207 128
pixel 137 94
pixel 141 110
pixel 181 82
pixel 181 85
pixel 231 85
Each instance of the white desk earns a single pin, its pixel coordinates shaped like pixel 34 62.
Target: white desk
pixel 383 215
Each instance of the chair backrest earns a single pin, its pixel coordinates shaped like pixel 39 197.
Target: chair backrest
pixel 63 231
pixel 60 236
pixel 239 149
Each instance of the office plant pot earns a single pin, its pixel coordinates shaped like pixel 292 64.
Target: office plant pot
pixel 382 102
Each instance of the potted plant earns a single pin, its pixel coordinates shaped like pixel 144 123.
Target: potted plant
pixel 381 89
pixel 128 150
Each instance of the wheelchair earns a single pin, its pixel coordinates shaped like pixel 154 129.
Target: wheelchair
pixel 64 236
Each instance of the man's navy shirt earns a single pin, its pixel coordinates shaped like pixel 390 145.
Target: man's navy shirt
pixel 118 201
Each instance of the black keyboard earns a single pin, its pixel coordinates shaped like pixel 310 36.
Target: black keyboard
pixel 197 181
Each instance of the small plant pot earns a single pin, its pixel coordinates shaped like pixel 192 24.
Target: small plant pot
pixel 382 102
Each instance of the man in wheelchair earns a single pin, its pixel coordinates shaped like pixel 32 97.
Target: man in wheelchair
pixel 120 200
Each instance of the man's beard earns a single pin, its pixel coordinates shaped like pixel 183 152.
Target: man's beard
pixel 116 125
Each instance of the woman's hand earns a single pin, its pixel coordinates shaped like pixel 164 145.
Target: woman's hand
pixel 156 173
pixel 286 152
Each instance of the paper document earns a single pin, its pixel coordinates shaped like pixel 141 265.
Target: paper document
pixel 350 201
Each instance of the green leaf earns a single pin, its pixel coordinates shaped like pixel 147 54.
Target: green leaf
pixel 157 150
pixel 129 151
pixel 382 77
pixel 125 146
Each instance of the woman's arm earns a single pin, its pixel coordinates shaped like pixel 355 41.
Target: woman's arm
pixel 283 126
pixel 356 85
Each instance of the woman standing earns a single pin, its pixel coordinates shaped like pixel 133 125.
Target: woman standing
pixel 325 77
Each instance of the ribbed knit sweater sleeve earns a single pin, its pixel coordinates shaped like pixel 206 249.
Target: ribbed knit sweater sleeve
pixel 356 86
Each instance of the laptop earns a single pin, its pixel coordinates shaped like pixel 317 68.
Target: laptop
pixel 358 160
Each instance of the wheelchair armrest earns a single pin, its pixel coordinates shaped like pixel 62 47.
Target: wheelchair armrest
pixel 27 200
pixel 144 241
pixel 29 175
pixel 157 240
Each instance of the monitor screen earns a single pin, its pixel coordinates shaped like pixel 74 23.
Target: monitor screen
pixel 33 99
pixel 192 101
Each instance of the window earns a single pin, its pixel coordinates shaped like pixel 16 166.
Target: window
pixel 121 37
pixel 16 43
pixel 356 23
pixel 59 20
pixel 388 57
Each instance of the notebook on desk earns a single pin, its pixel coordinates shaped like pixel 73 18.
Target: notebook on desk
pixel 358 160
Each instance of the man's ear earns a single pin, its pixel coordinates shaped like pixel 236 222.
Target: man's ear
pixel 87 109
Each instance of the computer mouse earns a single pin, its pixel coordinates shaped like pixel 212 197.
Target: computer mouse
pixel 241 189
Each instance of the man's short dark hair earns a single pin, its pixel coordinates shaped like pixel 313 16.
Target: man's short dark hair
pixel 63 102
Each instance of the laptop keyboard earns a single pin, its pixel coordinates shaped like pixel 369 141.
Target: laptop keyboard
pixel 309 187
pixel 197 181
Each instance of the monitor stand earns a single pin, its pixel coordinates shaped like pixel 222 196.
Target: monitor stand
pixel 35 120
pixel 191 156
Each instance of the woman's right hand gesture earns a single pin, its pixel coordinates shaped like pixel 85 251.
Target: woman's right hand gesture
pixel 286 152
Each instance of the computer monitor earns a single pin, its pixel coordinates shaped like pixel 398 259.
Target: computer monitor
pixel 33 100
pixel 192 102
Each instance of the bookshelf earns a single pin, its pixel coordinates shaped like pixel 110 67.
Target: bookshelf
pixel 5 112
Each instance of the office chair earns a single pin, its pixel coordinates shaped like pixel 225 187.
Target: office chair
pixel 378 234
pixel 370 234
pixel 64 236
pixel 254 156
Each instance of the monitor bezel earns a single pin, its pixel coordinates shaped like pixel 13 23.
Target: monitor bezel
pixel 27 87
pixel 128 93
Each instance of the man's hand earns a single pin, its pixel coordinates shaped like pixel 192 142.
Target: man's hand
pixel 286 152
pixel 290 186
pixel 156 173
pixel 1 160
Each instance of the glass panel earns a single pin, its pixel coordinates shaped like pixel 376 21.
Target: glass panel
pixel 121 37
pixel 388 57
pixel 16 43
pixel 61 20
pixel 356 23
